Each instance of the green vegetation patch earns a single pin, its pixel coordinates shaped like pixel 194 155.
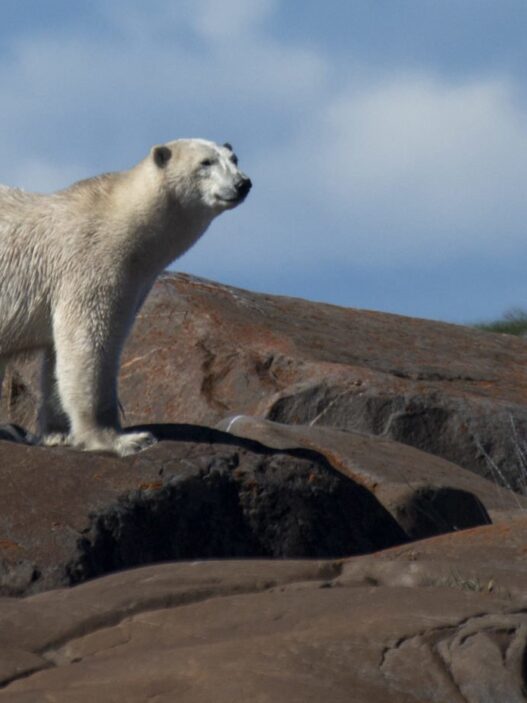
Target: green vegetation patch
pixel 512 322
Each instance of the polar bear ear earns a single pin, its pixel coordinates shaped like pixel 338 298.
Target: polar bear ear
pixel 161 155
pixel 228 146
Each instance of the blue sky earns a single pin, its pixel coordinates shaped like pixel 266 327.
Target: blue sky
pixel 386 139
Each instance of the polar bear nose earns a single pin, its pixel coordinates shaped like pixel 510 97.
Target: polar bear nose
pixel 243 186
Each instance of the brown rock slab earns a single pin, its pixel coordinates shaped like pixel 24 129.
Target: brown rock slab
pixel 67 516
pixel 487 559
pixel 268 631
pixel 427 495
pixel 365 422
pixel 262 489
pixel 201 351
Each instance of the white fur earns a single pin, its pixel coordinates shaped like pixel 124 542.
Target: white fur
pixel 76 266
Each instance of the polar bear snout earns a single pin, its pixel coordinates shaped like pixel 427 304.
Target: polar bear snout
pixel 243 186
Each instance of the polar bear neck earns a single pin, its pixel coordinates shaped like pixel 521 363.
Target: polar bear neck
pixel 154 224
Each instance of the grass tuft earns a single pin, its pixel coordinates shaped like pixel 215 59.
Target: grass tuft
pixel 513 322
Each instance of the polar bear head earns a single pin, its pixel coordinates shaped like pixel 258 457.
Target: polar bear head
pixel 201 173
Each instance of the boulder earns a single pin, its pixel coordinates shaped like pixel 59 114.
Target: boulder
pixel 201 351
pixel 427 495
pixel 258 489
pixel 314 523
pixel 67 516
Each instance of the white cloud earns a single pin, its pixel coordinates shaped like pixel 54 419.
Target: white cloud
pixel 447 145
pixel 411 168
pixel 151 76
pixel 217 20
pixel 394 168
pixel 230 20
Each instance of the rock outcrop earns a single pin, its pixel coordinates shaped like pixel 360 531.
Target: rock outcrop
pixel 317 521
pixel 67 516
pixel 369 630
pixel 201 351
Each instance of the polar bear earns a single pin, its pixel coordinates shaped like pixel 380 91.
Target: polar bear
pixel 76 266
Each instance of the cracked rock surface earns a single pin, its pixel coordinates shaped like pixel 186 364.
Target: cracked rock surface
pixel 267 631
pixel 316 522
pixel 433 620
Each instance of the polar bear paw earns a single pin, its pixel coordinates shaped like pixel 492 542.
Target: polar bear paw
pixel 133 442
pixel 56 439
pixel 122 444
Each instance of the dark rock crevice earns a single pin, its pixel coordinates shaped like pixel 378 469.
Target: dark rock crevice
pixel 279 506
pixel 431 510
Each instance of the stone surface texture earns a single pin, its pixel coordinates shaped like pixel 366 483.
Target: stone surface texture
pixel 326 517
pixel 201 351
pixel 266 631
pixel 67 516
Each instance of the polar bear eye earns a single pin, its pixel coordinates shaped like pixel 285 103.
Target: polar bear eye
pixel 207 162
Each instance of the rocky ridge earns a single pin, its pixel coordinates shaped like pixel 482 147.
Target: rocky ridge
pixel 341 477
pixel 201 351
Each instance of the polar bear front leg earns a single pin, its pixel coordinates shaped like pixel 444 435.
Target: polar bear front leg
pixel 53 422
pixel 87 363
